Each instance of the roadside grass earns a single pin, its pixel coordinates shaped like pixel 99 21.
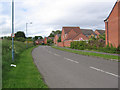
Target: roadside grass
pixel 89 53
pixel 25 75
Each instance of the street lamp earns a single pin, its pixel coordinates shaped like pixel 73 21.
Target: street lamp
pixel 12 30
pixel 26 32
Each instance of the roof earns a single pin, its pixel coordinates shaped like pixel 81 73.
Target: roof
pixel 40 40
pixel 88 31
pixel 111 10
pixel 68 29
pixel 50 38
pixel 101 31
pixel 58 35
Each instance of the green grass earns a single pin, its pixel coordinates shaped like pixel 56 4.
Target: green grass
pixel 89 53
pixel 25 75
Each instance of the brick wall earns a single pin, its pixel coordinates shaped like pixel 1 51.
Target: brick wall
pixel 67 43
pixel 60 44
pixel 112 33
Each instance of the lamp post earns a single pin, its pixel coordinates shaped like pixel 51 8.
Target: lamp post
pixel 26 32
pixel 12 30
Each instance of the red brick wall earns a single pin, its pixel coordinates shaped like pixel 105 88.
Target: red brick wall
pixel 56 39
pixel 113 27
pixel 45 40
pixel 67 43
pixel 119 24
pixel 62 35
pixel 60 44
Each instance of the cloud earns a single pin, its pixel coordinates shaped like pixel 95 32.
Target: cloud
pixel 48 15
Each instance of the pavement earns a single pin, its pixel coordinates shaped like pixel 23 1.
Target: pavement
pixel 62 69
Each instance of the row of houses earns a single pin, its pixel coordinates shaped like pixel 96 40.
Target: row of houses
pixel 112 31
pixel 70 34
pixel 43 41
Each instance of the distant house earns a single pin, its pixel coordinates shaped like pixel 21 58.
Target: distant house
pixel 89 33
pixel 99 32
pixel 112 26
pixel 57 36
pixel 48 38
pixel 70 34
pixel 45 40
pixel 39 41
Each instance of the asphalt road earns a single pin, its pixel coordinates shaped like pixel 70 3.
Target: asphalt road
pixel 68 70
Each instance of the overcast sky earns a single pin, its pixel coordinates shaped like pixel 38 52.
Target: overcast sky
pixel 48 15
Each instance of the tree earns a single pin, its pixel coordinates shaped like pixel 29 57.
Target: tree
pixel 20 34
pixel 59 40
pixel 38 37
pixel 53 33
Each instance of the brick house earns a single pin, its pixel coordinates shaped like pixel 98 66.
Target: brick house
pixel 99 32
pixel 47 38
pixel 70 34
pixel 112 26
pixel 89 33
pixel 57 36
pixel 39 41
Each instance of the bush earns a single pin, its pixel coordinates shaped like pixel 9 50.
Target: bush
pixel 20 39
pixel 97 45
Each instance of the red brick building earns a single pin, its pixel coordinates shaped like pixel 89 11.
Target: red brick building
pixel 99 32
pixel 70 34
pixel 39 41
pixel 112 26
pixel 57 36
pixel 47 38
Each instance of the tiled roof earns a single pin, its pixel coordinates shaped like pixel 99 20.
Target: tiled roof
pixel 118 1
pixel 101 31
pixel 88 31
pixel 50 38
pixel 68 29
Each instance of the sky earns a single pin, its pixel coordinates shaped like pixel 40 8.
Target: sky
pixel 49 15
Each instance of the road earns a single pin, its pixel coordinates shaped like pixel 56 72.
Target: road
pixel 68 70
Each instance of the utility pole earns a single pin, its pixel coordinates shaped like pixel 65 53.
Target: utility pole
pixel 26 33
pixel 12 30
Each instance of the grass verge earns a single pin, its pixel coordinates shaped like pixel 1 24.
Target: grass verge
pixel 25 75
pixel 89 53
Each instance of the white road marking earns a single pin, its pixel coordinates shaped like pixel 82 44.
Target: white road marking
pixel 56 54
pixel 114 60
pixel 71 60
pixel 104 71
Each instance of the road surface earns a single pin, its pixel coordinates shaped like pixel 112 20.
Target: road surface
pixel 68 70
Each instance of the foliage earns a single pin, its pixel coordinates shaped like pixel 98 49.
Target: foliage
pixel 88 53
pixel 20 39
pixel 7 55
pixel 20 34
pixel 53 33
pixel 31 77
pixel 49 41
pixel 38 37
pixel 94 44
pixel 59 40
